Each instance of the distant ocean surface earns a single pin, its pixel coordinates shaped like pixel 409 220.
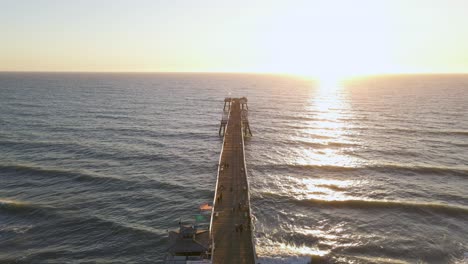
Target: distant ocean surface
pixel 95 168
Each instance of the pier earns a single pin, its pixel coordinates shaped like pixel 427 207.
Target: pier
pixel 231 227
pixel 230 235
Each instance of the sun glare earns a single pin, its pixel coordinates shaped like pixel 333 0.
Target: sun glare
pixel 288 249
pixel 327 129
pixel 328 43
pixel 326 189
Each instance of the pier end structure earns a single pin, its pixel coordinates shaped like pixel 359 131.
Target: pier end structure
pixel 244 109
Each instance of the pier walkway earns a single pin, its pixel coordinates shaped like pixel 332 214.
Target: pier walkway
pixel 231 227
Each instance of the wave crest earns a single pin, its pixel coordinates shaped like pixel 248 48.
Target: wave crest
pixel 376 204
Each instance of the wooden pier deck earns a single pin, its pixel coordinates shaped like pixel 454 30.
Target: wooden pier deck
pixel 231 226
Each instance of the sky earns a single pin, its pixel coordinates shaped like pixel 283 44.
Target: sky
pixel 307 37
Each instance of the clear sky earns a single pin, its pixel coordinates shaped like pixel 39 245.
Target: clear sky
pixel 309 37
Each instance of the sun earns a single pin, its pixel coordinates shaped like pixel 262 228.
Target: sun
pixel 331 80
pixel 342 44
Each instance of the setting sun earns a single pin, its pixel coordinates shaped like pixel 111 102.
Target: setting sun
pixel 320 40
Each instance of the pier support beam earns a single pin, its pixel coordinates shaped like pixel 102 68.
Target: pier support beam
pixel 227 104
pixel 222 128
pixel 243 102
pixel 246 129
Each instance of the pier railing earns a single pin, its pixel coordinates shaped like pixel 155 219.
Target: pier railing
pixel 252 227
pixel 225 113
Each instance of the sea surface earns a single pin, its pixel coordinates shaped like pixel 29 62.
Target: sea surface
pixel 95 168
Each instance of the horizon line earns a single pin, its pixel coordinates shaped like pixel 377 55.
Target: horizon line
pixel 235 72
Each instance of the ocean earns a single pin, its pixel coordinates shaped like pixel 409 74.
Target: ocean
pixel 95 168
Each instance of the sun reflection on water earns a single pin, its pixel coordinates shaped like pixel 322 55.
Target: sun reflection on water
pixel 326 189
pixel 318 189
pixel 288 249
pixel 325 141
pixel 328 123
pixel 326 157
pixel 329 101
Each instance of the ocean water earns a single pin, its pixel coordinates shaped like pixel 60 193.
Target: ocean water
pixel 95 168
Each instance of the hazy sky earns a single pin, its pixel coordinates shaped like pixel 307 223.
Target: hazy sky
pixel 304 37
